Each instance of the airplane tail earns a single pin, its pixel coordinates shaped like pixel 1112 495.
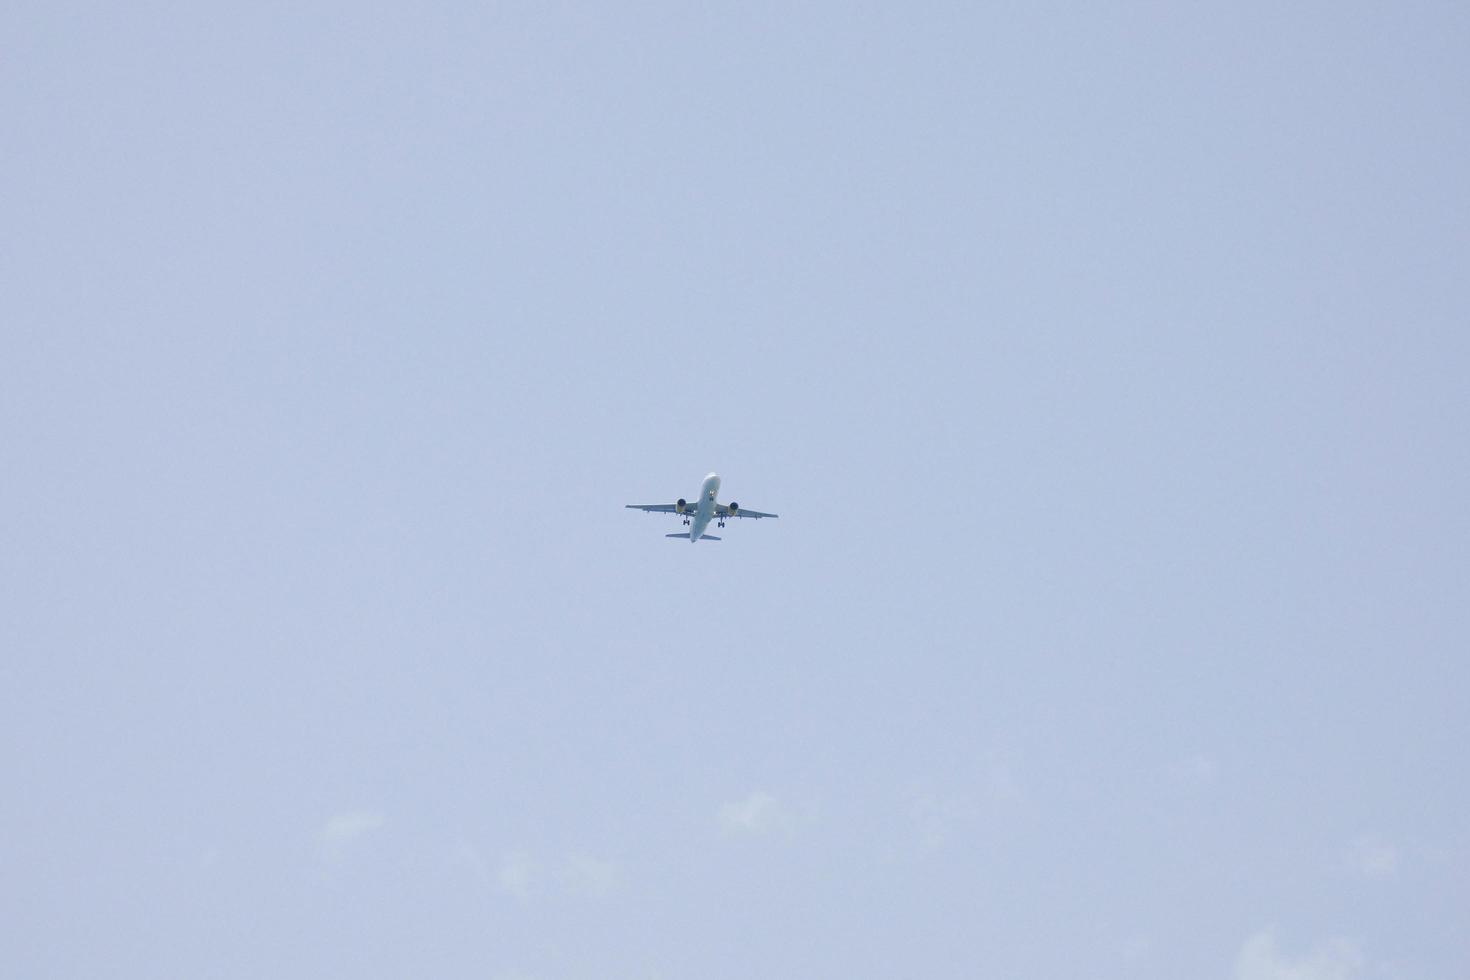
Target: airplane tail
pixel 685 536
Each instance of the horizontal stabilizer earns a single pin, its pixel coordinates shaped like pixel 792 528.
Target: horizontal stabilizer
pixel 685 536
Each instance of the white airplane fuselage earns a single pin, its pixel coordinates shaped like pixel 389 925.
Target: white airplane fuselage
pixel 704 508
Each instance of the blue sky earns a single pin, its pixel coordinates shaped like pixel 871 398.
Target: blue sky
pixel 1106 364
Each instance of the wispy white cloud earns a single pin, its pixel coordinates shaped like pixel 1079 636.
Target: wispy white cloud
pixel 937 814
pixel 518 874
pixel 1136 948
pixel 758 813
pixel 588 876
pixel 935 817
pixel 1001 784
pixel 466 855
pixel 343 831
pixel 1374 857
pixel 523 877
pixel 1197 771
pixel 1261 959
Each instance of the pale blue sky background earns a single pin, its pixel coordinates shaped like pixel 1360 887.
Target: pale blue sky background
pixel 1106 364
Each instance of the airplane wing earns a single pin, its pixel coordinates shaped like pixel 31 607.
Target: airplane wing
pixel 658 508
pixel 724 511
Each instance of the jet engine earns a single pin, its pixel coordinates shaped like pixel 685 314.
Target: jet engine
pixel 733 508
pixel 681 505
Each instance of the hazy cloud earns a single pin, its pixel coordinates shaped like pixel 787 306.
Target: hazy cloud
pixel 1001 785
pixel 517 875
pixel 1260 959
pixel 344 830
pixel 936 814
pixel 934 817
pixel 466 855
pixel 581 874
pixel 1374 857
pixel 523 877
pixel 1197 771
pixel 758 813
pixel 1136 948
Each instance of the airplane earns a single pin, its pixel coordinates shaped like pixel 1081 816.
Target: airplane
pixel 698 515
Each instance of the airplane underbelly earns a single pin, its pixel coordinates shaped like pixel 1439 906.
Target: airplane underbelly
pixel 701 521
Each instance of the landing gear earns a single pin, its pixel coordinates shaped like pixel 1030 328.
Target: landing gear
pixel 686 522
pixel 722 524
